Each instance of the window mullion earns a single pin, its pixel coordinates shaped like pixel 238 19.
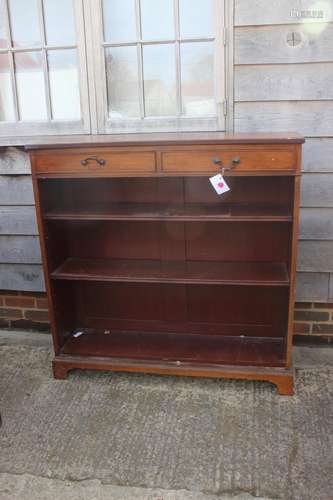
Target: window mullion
pixel 11 62
pixel 219 63
pixel 157 42
pixel 14 87
pixel 37 48
pixel 88 53
pixel 178 59
pixel 140 57
pixel 44 60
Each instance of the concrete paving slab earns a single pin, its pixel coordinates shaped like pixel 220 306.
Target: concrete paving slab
pixel 26 338
pixel 27 487
pixel 176 435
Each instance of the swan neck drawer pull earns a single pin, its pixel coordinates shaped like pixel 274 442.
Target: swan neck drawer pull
pixel 234 162
pixel 100 161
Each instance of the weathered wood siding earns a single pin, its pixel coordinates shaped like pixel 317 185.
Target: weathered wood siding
pixel 277 87
pixel 20 261
pixel 283 80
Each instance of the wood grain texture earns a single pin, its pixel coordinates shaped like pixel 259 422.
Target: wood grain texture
pixel 16 190
pixel 22 277
pixel 315 256
pixel 316 224
pixel 18 220
pixel 177 347
pixel 312 287
pixel 318 155
pixel 283 82
pixel 19 250
pixel 281 377
pixel 250 159
pixel 259 12
pixel 181 272
pixel 268 44
pixel 293 262
pixel 115 160
pixel 52 302
pixel 317 190
pixel 64 141
pixel 177 212
pixel 313 118
pixel 14 162
pixel 157 139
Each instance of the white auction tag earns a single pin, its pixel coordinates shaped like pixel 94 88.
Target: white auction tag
pixel 219 184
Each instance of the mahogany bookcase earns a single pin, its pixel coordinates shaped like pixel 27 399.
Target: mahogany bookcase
pixel 148 269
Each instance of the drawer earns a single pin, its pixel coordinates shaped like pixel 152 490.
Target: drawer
pixel 100 160
pixel 202 160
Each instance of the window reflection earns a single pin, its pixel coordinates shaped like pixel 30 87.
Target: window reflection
pixel 122 81
pixel 159 80
pixel 6 96
pixel 64 84
pixel 30 86
pixel 24 22
pixel 197 76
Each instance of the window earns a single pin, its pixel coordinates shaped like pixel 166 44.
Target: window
pixel 42 68
pixel 82 66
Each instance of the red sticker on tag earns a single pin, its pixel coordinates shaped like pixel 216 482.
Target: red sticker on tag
pixel 219 184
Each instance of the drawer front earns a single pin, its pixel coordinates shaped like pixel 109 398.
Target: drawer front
pixel 211 160
pixel 100 160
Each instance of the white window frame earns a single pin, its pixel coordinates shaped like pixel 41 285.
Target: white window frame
pixel 102 124
pixel 50 126
pixel 93 85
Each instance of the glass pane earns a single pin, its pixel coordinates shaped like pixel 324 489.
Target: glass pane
pixel 3 37
pixel 197 76
pixel 157 19
pixel 6 96
pixel 24 23
pixel 122 82
pixel 119 20
pixel 160 80
pixel 196 18
pixel 64 84
pixel 59 22
pixel 30 85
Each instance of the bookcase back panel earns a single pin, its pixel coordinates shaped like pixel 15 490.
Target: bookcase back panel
pixel 208 241
pixel 218 310
pixel 78 192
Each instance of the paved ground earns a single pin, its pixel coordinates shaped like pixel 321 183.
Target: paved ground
pixel 116 436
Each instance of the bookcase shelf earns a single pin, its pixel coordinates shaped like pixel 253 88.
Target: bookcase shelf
pixel 173 212
pixel 148 270
pixel 183 272
pixel 178 347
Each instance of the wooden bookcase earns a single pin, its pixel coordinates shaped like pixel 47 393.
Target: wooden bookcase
pixel 148 269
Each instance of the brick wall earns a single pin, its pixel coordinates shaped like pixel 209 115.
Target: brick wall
pixel 313 322
pixel 24 310
pixel 27 310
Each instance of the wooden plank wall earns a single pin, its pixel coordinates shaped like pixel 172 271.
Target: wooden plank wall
pixel 277 87
pixel 283 80
pixel 20 261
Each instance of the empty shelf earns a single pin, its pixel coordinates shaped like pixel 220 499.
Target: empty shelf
pixel 178 347
pixel 179 212
pixel 185 272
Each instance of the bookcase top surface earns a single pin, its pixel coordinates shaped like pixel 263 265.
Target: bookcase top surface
pixel 170 138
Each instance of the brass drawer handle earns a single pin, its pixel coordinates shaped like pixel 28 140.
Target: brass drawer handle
pixel 234 162
pixel 100 161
